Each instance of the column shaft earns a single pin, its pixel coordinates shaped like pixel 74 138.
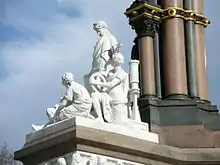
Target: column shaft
pixel 147 68
pixel 157 61
pixel 191 51
pixel 174 59
pixel 202 78
pixel 161 61
pixel 157 66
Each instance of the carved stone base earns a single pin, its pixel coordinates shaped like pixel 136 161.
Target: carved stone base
pixel 136 125
pixel 64 137
pixel 72 142
pixel 132 129
pixel 182 123
pixel 86 158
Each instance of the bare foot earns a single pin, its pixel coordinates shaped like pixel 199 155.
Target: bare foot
pixel 37 127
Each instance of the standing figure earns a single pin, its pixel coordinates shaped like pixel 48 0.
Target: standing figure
pixel 75 102
pixel 102 52
pixel 103 47
pixel 116 86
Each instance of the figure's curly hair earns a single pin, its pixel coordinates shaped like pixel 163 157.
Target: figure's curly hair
pixel 67 78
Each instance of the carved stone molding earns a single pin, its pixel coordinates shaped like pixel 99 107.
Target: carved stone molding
pixel 144 17
pixel 148 9
pixel 145 27
pixel 83 158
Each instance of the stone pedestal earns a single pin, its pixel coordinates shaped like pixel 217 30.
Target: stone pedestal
pixel 182 116
pixel 182 123
pixel 79 141
pixel 80 134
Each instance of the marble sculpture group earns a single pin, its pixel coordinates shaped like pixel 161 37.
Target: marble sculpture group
pixel 108 91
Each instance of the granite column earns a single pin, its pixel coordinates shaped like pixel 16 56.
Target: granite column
pixel 174 57
pixel 191 50
pixel 201 72
pixel 157 62
pixel 144 18
pixel 147 67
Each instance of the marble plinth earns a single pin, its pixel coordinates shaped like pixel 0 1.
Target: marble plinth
pixel 101 141
pixel 132 129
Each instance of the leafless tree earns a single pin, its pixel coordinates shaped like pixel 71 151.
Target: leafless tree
pixel 7 156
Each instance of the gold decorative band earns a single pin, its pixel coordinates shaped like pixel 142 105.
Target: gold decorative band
pixel 158 14
pixel 144 11
pixel 144 6
pixel 188 15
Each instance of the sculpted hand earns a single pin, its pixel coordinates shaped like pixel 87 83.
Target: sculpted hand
pixel 55 119
pixel 93 82
pixel 56 116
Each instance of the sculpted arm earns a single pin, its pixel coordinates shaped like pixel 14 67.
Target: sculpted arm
pixel 65 101
pixel 111 84
pixel 106 48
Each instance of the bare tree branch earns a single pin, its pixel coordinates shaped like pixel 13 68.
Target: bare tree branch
pixel 7 156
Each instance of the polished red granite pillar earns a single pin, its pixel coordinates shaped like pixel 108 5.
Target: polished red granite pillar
pixel 202 78
pixel 147 68
pixel 174 56
pixel 144 19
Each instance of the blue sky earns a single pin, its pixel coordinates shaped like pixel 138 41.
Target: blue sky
pixel 41 39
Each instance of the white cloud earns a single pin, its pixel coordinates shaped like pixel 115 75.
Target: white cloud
pixel 35 65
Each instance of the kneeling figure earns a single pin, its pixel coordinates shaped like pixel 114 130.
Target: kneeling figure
pixel 75 102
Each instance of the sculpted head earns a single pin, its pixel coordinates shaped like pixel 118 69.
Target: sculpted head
pixel 118 59
pixel 100 27
pixel 67 78
pixel 102 160
pixel 93 160
pixel 76 157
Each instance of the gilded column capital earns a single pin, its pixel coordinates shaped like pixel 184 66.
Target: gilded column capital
pixel 147 27
pixel 144 17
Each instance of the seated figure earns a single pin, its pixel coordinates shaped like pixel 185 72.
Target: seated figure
pixel 114 92
pixel 101 99
pixel 75 102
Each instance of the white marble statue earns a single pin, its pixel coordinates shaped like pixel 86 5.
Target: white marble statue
pixel 102 160
pixel 119 163
pixel 103 50
pixel 87 158
pixel 114 91
pixel 93 160
pixel 61 161
pixel 76 159
pixel 102 47
pixel 100 98
pixel 75 102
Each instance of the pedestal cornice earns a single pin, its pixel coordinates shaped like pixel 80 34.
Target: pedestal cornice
pixel 81 138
